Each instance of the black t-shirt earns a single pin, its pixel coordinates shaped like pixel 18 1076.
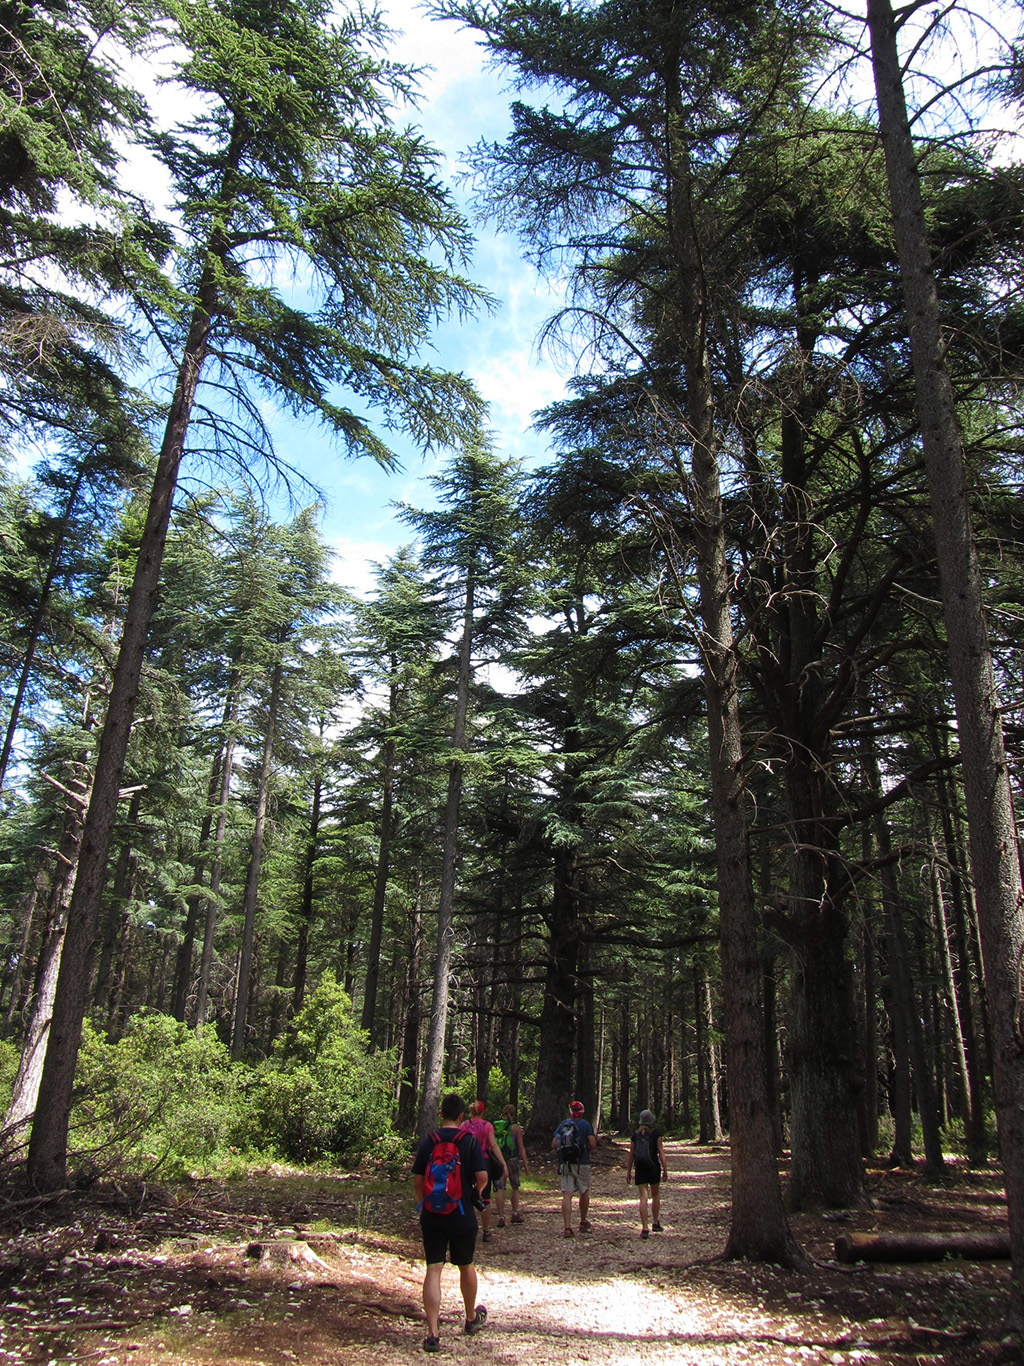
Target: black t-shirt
pixel 654 1165
pixel 472 1158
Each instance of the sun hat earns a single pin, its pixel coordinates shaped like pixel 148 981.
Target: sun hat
pixel 647 1119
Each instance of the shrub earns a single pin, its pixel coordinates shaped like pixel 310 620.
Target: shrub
pixel 9 1059
pixel 497 1093
pixel 321 1096
pixel 163 1099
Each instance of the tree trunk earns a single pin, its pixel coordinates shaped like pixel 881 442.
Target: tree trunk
pixel 124 879
pixel 586 1050
pixel 975 1127
pixel 625 1055
pixel 707 1098
pixel 36 626
pixel 213 896
pixel 759 1229
pixel 558 1037
pixel 434 1063
pixel 25 1092
pixel 306 913
pixel 250 896
pixel 961 1078
pixel 409 1065
pixel 380 882
pixel 869 1034
pixel 186 950
pixel 47 1156
pixel 990 818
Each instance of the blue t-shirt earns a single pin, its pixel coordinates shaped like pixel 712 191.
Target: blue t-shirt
pixel 586 1131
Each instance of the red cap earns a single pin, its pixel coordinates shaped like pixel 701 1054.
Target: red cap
pixel 576 1108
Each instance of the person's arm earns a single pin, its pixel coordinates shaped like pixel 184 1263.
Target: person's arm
pixel 661 1154
pixel 629 1164
pixel 419 1176
pixel 516 1129
pixel 591 1141
pixel 481 1171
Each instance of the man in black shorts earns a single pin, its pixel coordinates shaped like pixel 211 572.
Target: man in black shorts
pixel 454 1232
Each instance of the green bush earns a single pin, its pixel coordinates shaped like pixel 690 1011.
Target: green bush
pixel 321 1097
pixel 497 1093
pixel 9 1058
pixel 163 1099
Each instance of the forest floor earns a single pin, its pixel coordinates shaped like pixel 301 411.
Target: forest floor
pixel 289 1269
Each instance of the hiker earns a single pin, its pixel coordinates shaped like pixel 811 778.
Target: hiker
pixel 483 1131
pixel 449 1175
pixel 513 1150
pixel 647 1152
pixel 574 1141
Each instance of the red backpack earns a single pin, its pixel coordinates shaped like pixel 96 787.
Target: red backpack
pixel 442 1182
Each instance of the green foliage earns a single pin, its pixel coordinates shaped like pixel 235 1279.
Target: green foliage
pixel 497 1093
pixel 322 1098
pixel 162 1099
pixel 9 1055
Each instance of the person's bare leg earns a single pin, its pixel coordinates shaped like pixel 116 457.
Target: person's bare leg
pixel 643 1206
pixel 432 1297
pixel 584 1205
pixel 499 1200
pixel 567 1208
pixel 655 1204
pixel 468 1286
pixel 515 1201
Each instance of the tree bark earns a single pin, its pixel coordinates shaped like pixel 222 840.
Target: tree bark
pixel 558 1037
pixel 47 1156
pixel 990 817
pixel 380 882
pixel 25 1092
pixel 250 896
pixel 434 1063
pixel 213 896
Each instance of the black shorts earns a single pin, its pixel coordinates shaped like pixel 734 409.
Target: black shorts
pixel 647 1176
pixel 459 1242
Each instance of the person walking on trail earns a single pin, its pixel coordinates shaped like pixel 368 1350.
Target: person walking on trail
pixel 483 1131
pixel 647 1154
pixel 513 1150
pixel 449 1175
pixel 573 1142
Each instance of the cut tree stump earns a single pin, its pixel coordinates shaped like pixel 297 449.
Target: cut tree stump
pixel 920 1247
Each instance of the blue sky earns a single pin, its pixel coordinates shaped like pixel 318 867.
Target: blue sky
pixel 461 103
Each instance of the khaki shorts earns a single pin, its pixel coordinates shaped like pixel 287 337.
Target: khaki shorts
pixel 575 1177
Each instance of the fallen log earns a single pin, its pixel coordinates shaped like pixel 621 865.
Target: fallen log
pixel 920 1247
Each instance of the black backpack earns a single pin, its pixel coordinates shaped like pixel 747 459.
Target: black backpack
pixel 644 1152
pixel 570 1143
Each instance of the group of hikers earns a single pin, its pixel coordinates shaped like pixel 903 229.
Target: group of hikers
pixel 466 1159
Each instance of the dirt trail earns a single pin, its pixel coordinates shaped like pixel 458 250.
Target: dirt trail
pixel 236 1274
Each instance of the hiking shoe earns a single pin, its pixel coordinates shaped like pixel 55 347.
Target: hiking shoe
pixel 431 1344
pixel 487 1236
pixel 645 1233
pixel 657 1228
pixel 518 1219
pixel 501 1222
pixel 474 1324
pixel 584 1225
pixel 568 1233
